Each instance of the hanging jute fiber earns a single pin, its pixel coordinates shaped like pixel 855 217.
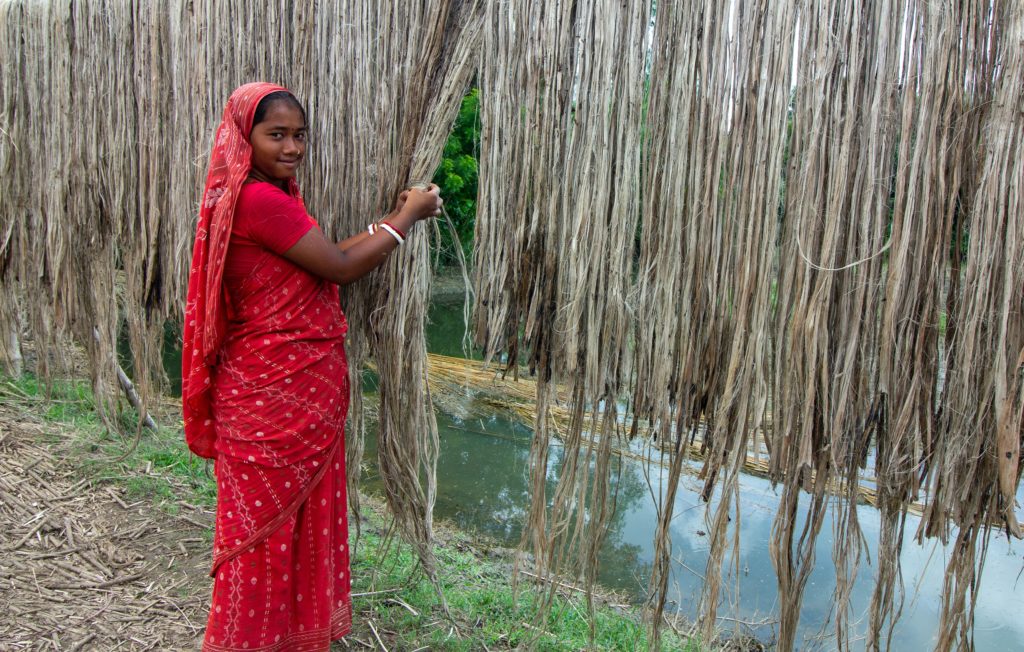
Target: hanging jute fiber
pixel 106 116
pixel 791 226
pixel 825 246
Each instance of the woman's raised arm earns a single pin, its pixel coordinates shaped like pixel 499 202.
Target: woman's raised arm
pixel 351 259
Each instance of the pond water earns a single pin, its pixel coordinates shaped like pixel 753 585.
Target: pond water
pixel 483 477
pixel 483 480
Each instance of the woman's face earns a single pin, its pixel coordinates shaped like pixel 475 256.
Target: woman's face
pixel 278 143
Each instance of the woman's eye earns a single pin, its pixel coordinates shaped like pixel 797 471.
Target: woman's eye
pixel 300 136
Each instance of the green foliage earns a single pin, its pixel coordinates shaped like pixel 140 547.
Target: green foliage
pixel 457 176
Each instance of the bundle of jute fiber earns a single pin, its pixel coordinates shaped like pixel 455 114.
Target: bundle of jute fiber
pixel 680 96
pixel 10 304
pixel 708 250
pixel 63 212
pixel 796 261
pixel 568 194
pixel 600 193
pixel 525 81
pixel 974 462
pixel 946 90
pixel 832 247
pixel 151 245
pixel 395 99
pixel 122 109
pixel 123 99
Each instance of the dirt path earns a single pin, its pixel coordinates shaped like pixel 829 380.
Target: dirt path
pixel 83 569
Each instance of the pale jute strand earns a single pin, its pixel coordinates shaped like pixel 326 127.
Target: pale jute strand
pixel 402 102
pixel 825 333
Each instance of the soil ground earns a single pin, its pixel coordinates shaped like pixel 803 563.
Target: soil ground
pixel 84 568
pixel 86 564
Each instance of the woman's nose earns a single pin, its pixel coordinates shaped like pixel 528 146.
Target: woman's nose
pixel 292 146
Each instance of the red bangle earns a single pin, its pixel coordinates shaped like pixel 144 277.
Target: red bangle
pixel 395 228
pixel 393 232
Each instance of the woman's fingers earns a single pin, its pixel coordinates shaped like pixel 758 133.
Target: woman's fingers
pixel 427 199
pixel 400 202
pixel 435 193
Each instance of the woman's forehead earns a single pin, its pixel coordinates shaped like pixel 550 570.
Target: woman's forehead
pixel 284 113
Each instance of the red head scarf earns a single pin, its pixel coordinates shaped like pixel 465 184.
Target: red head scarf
pixel 205 316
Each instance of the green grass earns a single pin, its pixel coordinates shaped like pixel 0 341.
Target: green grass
pixel 485 611
pixel 488 613
pixel 164 457
pixel 62 401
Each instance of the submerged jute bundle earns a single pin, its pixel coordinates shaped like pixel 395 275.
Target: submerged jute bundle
pixel 106 113
pixel 826 229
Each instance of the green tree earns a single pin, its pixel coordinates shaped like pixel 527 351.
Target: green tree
pixel 457 176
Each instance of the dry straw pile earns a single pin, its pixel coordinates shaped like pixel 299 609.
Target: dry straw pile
pixel 705 220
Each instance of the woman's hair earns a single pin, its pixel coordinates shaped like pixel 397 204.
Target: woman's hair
pixel 276 96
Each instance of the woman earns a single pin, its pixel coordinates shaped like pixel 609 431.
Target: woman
pixel 265 383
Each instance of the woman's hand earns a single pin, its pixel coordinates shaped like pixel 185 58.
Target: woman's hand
pixel 420 203
pixel 400 202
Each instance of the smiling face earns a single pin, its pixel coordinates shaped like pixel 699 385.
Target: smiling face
pixel 278 144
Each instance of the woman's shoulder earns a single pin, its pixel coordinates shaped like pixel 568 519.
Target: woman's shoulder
pixel 263 192
pixel 269 216
pixel 260 200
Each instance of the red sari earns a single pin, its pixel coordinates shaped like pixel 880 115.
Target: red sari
pixel 265 393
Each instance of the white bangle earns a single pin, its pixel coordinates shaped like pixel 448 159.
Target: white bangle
pixel 371 228
pixel 392 231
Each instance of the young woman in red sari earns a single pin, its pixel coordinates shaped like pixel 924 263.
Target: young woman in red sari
pixel 265 383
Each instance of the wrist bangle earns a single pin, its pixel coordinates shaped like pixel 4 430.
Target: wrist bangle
pixel 397 230
pixel 393 231
pixel 371 228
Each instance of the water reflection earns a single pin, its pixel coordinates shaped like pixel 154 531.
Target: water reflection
pixel 483 486
pixel 483 477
